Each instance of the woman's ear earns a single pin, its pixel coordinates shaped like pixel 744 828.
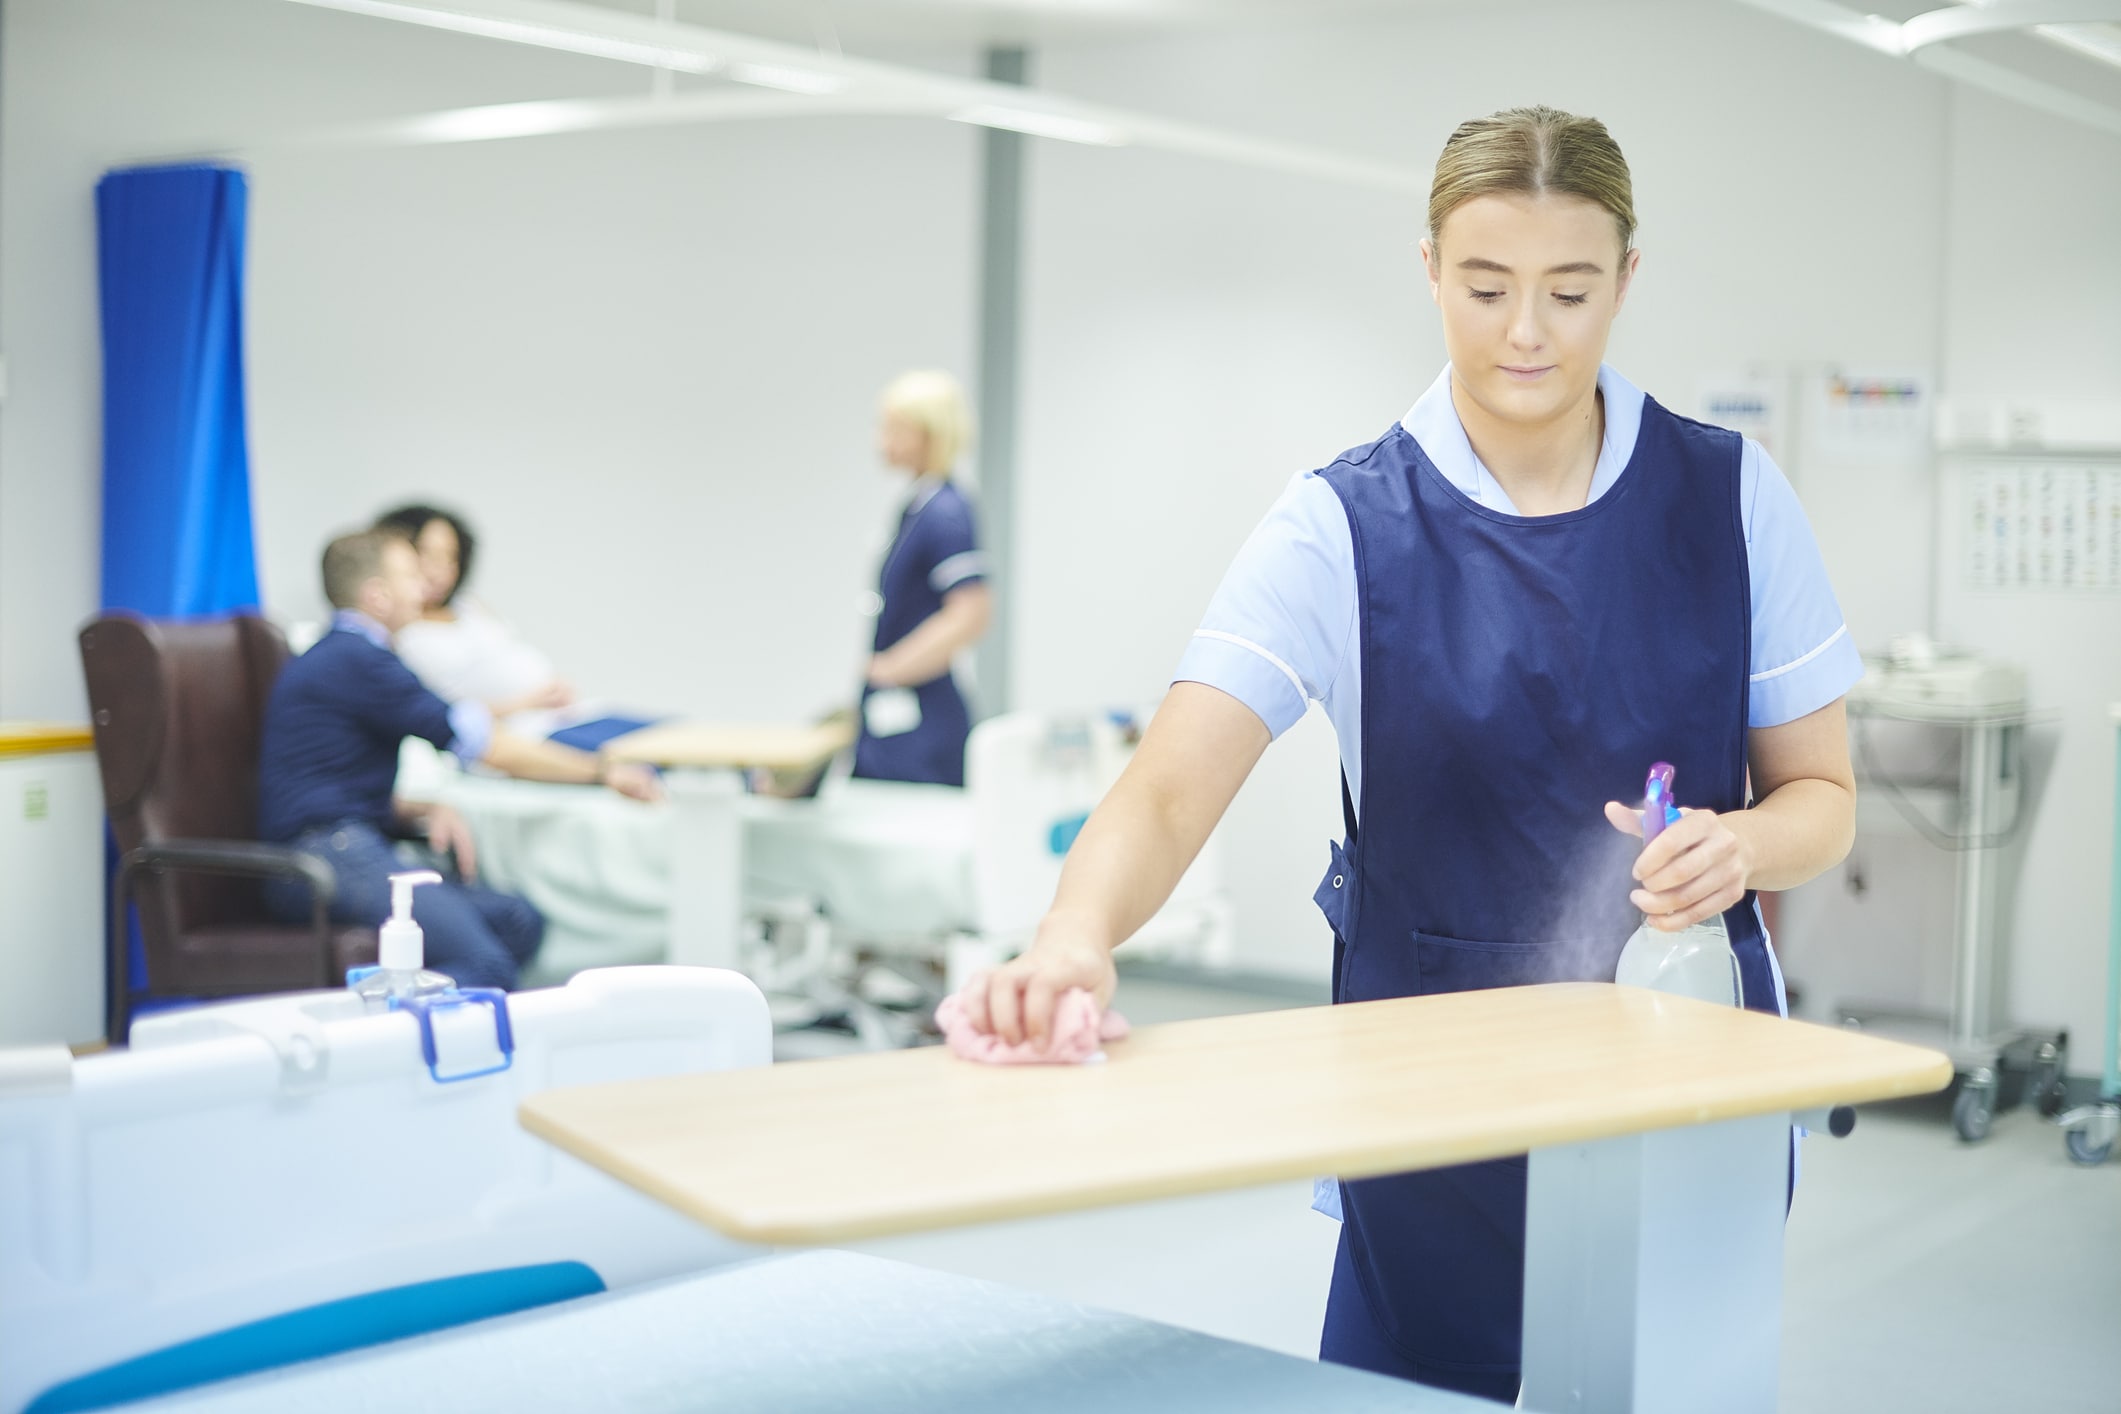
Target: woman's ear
pixel 1428 265
pixel 1627 278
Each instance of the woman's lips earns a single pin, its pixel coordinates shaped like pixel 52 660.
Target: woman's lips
pixel 1527 375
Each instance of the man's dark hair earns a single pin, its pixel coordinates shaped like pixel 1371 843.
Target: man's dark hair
pixel 410 520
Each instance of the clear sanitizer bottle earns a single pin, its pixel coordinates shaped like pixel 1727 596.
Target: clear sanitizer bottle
pixel 1695 962
pixel 400 949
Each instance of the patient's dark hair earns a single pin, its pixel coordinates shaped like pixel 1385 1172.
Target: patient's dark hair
pixel 410 520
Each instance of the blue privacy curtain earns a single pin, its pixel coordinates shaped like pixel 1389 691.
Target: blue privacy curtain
pixel 176 464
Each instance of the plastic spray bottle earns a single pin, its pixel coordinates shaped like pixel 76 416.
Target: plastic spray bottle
pixel 1695 962
pixel 400 949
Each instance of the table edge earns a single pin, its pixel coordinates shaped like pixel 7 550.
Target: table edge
pixel 1371 1163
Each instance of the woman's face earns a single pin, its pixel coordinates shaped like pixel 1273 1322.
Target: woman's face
pixel 902 442
pixel 1529 287
pixel 437 544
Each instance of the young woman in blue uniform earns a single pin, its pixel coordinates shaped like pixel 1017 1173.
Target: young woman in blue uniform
pixel 1533 586
pixel 932 600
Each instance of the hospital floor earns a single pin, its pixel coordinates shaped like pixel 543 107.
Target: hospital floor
pixel 1923 1275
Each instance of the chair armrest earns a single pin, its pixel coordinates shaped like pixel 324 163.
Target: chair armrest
pixel 241 857
pixel 246 858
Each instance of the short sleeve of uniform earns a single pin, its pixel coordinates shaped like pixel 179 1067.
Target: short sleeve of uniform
pixel 1281 624
pixel 1803 658
pixel 949 544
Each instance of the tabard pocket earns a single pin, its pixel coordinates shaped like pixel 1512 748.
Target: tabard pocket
pixel 1466 965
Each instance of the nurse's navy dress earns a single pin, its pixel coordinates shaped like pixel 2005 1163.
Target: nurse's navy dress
pixel 935 551
pixel 1517 673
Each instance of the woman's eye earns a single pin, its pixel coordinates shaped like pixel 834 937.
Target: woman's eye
pixel 1572 299
pixel 1486 296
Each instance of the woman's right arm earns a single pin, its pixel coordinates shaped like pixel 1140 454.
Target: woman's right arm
pixel 1199 748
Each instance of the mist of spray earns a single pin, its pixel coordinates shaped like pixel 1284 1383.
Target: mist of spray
pixel 1590 919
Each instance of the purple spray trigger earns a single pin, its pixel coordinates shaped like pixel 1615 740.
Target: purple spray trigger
pixel 1658 809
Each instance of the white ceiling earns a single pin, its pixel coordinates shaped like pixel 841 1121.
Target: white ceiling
pixel 890 27
pixel 2074 80
pixel 873 24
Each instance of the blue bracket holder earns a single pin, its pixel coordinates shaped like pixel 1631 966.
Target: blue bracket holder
pixel 424 1008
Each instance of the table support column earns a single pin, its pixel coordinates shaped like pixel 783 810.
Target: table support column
pixel 1653 1271
pixel 706 868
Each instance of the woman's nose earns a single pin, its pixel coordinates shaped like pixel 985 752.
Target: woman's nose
pixel 1525 330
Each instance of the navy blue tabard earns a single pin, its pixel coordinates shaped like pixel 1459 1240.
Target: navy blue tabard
pixel 1517 673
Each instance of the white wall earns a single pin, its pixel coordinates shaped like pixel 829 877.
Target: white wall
pixel 643 362
pixel 1199 333
pixel 2032 304
pixel 2034 315
pixel 681 332
pixel 89 84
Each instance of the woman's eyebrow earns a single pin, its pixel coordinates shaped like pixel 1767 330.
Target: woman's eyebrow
pixel 1574 267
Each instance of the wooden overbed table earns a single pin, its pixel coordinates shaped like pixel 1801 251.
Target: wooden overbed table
pixel 1657 1129
pixel 705 764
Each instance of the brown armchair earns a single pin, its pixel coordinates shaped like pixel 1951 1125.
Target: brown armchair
pixel 179 710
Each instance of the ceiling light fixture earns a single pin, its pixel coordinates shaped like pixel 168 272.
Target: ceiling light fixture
pixel 786 79
pixel 597 46
pixel 1038 123
pixel 1928 40
pixel 2098 42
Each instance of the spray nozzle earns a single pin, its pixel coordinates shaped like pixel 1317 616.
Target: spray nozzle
pixel 1658 807
pixel 400 945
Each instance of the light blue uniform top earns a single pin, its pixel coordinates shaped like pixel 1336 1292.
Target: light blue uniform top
pixel 1281 630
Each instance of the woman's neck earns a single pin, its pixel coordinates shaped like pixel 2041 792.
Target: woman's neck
pixel 1544 468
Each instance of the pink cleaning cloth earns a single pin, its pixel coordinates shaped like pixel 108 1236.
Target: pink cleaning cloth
pixel 1077 1035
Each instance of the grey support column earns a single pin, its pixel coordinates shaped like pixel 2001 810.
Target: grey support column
pixel 1000 344
pixel 1653 1271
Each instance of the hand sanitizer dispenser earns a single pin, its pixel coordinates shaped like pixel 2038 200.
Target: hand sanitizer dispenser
pixel 1695 962
pixel 400 951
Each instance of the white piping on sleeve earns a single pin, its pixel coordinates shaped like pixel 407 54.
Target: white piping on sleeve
pixel 1247 644
pixel 1796 663
pixel 956 570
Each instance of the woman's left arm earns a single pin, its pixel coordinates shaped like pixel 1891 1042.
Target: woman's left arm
pixel 924 654
pixel 1802 822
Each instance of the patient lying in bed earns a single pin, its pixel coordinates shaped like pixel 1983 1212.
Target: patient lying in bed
pixel 462 650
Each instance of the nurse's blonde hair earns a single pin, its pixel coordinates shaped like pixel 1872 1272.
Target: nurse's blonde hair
pixel 934 402
pixel 1533 151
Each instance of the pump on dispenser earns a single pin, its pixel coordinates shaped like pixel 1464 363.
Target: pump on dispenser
pixel 1696 961
pixel 400 950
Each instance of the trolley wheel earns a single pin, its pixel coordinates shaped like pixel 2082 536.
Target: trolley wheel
pixel 2050 1076
pixel 1974 1110
pixel 2082 1150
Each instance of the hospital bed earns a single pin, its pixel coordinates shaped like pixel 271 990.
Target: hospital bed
pixel 273 1180
pixel 284 1204
pixel 820 1333
pixel 811 897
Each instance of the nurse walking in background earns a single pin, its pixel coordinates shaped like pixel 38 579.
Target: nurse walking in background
pixel 1534 585
pixel 932 599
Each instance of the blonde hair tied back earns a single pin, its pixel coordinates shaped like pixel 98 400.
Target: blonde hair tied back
pixel 1533 151
pixel 934 402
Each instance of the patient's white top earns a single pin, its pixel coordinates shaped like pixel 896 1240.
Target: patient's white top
pixel 474 657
